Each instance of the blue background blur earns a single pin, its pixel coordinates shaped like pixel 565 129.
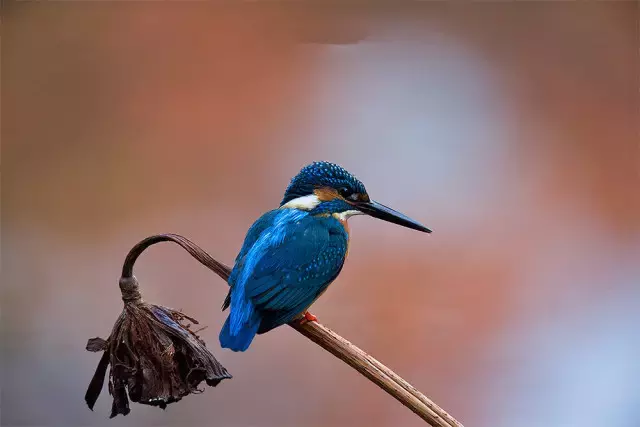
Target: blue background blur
pixel 511 129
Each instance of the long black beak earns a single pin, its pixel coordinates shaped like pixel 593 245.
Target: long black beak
pixel 378 210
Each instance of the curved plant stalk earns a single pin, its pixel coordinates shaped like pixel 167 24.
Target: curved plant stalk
pixel 344 350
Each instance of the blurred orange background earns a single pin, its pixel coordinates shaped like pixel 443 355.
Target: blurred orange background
pixel 511 129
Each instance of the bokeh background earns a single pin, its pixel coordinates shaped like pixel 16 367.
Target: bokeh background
pixel 511 129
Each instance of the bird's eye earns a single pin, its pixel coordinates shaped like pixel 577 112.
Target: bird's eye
pixel 344 192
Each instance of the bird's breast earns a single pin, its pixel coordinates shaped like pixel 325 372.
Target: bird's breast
pixel 345 225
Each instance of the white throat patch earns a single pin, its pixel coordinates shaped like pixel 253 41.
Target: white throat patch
pixel 343 216
pixel 305 203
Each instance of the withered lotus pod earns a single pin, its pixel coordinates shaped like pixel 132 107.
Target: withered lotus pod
pixel 155 357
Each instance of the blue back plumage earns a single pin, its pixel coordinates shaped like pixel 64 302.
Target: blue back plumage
pixel 288 259
pixel 271 237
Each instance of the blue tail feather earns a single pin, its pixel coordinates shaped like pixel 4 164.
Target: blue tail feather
pixel 242 339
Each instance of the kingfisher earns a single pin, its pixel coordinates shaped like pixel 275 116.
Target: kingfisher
pixel 291 254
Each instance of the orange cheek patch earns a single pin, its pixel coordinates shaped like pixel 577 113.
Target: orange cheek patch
pixel 325 194
pixel 363 197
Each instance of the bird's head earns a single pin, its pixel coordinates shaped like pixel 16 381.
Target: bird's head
pixel 326 188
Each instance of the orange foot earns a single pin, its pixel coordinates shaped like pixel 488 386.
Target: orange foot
pixel 308 317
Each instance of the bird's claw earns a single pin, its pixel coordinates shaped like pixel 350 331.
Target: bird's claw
pixel 307 317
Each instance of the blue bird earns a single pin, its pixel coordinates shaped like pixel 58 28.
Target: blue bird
pixel 292 254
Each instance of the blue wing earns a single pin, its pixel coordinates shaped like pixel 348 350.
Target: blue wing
pixel 293 274
pixel 292 261
pixel 264 222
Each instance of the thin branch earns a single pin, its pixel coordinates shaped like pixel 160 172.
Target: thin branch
pixel 378 373
pixel 344 350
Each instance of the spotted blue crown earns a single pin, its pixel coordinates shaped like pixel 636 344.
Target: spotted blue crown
pixel 321 174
